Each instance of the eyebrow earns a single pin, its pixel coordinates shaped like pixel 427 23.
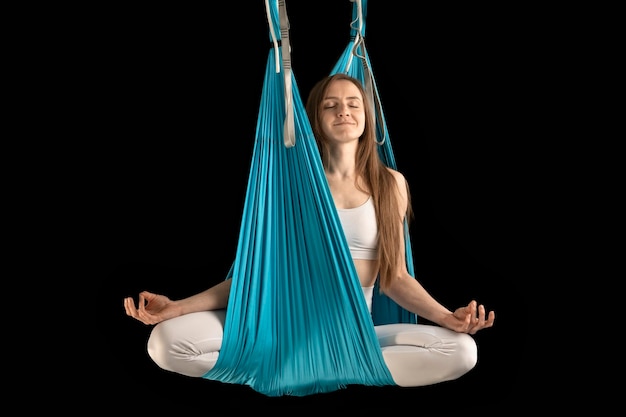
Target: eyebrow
pixel 337 98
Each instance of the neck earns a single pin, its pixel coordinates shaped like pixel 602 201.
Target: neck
pixel 342 162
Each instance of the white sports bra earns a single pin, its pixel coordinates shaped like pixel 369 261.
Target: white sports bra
pixel 359 226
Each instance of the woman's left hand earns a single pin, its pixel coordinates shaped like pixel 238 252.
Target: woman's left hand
pixel 470 319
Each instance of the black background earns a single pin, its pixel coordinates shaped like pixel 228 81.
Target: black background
pixel 181 88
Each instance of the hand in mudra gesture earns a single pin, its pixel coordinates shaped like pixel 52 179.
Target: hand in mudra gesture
pixel 469 319
pixel 152 308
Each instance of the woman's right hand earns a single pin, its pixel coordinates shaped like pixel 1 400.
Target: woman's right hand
pixel 152 308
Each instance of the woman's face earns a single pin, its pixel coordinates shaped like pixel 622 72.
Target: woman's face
pixel 342 115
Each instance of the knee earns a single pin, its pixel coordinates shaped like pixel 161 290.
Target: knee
pixel 188 344
pixel 171 353
pixel 467 352
pixel 160 348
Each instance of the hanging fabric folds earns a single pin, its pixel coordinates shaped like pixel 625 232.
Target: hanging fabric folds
pixel 355 61
pixel 296 323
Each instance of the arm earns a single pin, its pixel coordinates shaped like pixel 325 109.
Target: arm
pixel 155 308
pixel 408 293
pixel 213 298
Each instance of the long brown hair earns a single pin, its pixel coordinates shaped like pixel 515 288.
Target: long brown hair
pixel 380 183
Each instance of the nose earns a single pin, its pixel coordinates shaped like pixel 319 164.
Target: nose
pixel 344 110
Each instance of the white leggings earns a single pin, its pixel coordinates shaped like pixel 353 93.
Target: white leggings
pixel 416 354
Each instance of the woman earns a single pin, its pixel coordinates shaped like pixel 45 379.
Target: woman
pixel 372 201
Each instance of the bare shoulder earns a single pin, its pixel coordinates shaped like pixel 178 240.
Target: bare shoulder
pixel 401 188
pixel 401 200
pixel 400 179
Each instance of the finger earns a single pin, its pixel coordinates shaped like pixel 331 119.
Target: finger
pixel 144 317
pixel 487 319
pixel 142 302
pixel 483 324
pixel 131 310
pixel 472 308
pixel 481 314
pixel 468 322
pixel 129 306
pixel 478 322
pixel 473 313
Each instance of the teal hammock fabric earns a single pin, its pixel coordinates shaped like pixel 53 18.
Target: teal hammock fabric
pixel 296 323
pixel 355 61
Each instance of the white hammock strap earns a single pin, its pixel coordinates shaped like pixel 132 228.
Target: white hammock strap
pixel 289 125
